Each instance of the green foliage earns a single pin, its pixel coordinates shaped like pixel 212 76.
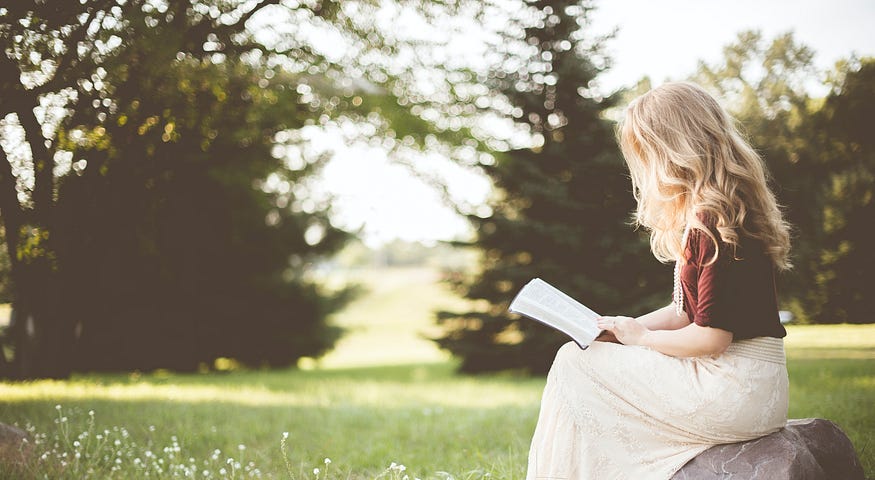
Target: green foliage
pixel 171 238
pixel 821 157
pixel 166 219
pixel 562 208
pixel 843 263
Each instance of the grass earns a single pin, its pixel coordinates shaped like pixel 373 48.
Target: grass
pixel 390 324
pixel 832 376
pixel 364 418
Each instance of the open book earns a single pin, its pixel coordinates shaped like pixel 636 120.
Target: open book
pixel 545 303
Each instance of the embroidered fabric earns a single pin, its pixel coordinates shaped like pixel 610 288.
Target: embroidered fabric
pixel 621 412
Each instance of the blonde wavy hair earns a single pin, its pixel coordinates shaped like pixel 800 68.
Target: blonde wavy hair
pixel 686 158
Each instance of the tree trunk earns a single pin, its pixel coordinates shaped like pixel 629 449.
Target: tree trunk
pixel 10 210
pixel 38 332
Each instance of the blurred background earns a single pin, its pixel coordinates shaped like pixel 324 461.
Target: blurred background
pixel 204 186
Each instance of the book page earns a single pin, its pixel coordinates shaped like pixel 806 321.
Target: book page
pixel 542 302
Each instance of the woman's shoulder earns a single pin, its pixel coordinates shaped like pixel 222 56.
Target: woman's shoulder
pixel 705 243
pixel 701 245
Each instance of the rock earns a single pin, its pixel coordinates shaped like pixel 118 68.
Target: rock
pixel 806 449
pixel 12 449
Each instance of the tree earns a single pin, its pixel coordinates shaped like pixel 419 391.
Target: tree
pixel 185 255
pixel 132 134
pixel 843 263
pixel 32 66
pixel 562 207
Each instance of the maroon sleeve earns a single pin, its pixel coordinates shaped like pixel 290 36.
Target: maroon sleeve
pixel 711 282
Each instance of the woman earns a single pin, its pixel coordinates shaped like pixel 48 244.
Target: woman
pixel 709 368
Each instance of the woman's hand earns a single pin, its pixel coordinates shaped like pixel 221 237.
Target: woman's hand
pixel 607 337
pixel 627 330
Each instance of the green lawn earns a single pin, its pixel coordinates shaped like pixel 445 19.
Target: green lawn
pixel 413 411
pixel 363 419
pixel 832 376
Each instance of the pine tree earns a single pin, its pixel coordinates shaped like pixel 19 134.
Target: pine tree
pixel 562 207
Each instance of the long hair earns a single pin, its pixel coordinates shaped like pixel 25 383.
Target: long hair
pixel 687 160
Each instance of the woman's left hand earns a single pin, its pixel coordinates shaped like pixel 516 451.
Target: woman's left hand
pixel 627 330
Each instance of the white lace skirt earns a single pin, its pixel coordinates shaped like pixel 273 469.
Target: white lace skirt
pixel 620 412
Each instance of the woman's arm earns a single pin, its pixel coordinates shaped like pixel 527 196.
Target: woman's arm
pixel 689 341
pixel 665 318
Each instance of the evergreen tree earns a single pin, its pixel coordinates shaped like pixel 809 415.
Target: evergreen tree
pixel 171 257
pixel 562 207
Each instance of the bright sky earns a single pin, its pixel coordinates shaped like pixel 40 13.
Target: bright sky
pixel 387 202
pixel 662 40
pixel 667 38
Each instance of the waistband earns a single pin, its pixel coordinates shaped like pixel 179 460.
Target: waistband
pixel 768 349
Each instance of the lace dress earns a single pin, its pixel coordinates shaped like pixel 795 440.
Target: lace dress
pixel 621 412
